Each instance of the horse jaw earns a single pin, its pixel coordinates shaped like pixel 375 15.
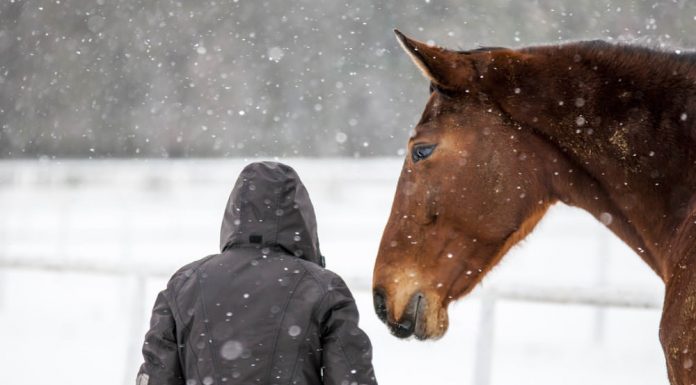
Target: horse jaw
pixel 451 277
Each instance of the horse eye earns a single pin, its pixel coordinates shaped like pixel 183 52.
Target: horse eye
pixel 422 151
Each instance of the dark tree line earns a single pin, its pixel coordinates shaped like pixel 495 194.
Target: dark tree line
pixel 164 78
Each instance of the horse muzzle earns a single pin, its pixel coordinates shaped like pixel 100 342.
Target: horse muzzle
pixel 412 321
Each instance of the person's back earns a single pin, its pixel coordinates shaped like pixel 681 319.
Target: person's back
pixel 264 311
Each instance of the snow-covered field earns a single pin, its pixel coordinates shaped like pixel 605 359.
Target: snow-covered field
pixel 81 327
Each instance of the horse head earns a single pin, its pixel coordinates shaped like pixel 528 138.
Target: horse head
pixel 472 185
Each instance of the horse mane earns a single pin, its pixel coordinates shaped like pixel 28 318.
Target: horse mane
pixel 618 55
pixel 480 49
pixel 628 56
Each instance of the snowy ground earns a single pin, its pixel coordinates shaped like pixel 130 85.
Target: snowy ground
pixel 84 328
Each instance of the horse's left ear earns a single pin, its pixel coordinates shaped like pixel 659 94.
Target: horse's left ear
pixel 447 69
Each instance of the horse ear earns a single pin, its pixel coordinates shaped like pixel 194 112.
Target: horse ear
pixel 446 69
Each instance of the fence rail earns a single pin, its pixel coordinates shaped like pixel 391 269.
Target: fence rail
pixel 591 296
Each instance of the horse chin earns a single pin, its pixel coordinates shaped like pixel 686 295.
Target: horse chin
pixel 435 326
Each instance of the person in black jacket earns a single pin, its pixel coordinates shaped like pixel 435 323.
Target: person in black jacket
pixel 264 311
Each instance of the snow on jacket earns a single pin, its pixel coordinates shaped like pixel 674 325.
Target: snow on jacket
pixel 264 311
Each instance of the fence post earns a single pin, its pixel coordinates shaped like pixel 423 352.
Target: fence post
pixel 137 299
pixel 484 340
pixel 601 282
pixel 4 239
pixel 134 336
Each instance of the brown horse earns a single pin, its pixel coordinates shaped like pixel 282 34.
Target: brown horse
pixel 507 133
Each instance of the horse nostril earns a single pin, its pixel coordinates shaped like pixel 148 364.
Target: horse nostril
pixel 411 319
pixel 403 329
pixel 380 305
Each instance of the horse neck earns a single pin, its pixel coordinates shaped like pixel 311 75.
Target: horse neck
pixel 625 143
pixel 646 199
pixel 658 226
pixel 574 184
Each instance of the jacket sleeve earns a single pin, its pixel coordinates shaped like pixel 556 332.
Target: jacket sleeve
pixel 160 350
pixel 346 349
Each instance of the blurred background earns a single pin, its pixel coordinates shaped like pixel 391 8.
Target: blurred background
pixel 172 79
pixel 123 125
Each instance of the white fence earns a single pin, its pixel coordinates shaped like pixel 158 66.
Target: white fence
pixel 599 297
pixel 130 211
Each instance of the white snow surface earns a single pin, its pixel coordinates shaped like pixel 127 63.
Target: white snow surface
pixel 62 327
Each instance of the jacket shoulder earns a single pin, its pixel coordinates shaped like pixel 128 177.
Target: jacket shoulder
pixel 328 280
pixel 187 271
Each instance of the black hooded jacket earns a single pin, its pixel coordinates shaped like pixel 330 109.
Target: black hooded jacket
pixel 264 311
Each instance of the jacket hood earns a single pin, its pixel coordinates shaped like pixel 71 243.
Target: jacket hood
pixel 270 207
